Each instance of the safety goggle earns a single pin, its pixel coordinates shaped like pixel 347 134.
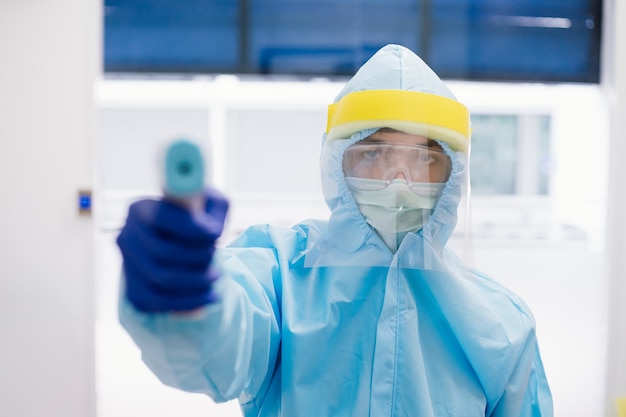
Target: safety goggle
pixel 385 161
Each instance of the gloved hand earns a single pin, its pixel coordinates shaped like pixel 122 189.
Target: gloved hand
pixel 167 252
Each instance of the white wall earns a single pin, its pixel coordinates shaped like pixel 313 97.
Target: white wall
pixel 50 55
pixel 615 85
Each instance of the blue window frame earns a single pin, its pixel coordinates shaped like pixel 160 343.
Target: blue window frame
pixel 521 40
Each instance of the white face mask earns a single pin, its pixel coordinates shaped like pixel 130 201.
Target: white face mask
pixel 395 209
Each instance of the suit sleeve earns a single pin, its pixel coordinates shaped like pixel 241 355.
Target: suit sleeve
pixel 527 393
pixel 227 349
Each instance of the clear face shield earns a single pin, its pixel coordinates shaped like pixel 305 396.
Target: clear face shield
pixel 407 173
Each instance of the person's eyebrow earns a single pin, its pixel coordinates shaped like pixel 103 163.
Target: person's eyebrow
pixel 371 139
pixel 434 144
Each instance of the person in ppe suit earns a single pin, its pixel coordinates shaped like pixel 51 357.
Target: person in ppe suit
pixel 365 314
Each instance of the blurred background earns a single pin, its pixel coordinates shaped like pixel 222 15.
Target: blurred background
pixel 91 91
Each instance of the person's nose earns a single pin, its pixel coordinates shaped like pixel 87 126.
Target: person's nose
pixel 401 174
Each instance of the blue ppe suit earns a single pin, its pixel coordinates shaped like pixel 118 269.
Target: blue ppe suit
pixel 322 319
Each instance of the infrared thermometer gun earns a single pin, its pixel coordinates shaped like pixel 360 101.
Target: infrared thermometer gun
pixel 183 175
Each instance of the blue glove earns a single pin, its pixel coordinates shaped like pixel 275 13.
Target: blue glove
pixel 167 252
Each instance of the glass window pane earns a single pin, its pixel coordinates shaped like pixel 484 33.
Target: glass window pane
pixel 167 36
pixel 493 161
pixel 510 155
pixel 326 36
pixel 520 40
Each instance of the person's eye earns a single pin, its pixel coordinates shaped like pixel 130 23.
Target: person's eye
pixel 370 153
pixel 425 157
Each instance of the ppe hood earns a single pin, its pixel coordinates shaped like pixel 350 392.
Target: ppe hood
pixel 394 89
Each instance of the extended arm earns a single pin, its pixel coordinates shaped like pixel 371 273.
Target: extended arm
pixel 202 324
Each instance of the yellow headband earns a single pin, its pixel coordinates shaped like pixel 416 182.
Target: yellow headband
pixel 413 112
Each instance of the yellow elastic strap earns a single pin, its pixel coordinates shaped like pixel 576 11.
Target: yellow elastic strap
pixel 413 112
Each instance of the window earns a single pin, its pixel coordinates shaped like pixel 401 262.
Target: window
pixel 518 40
pixel 510 155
